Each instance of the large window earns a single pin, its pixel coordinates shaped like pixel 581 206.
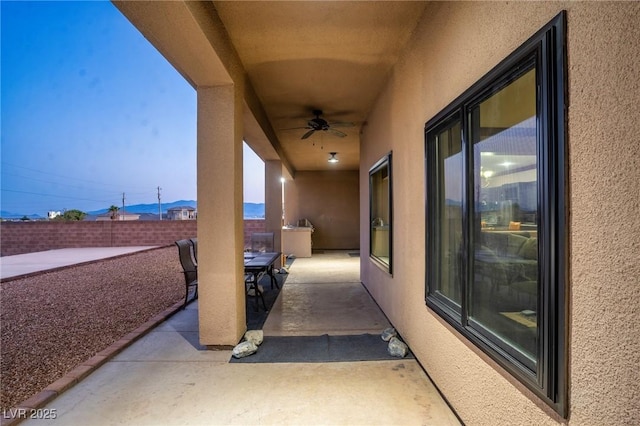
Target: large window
pixel 380 213
pixel 496 210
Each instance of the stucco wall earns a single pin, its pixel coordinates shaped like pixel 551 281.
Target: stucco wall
pixel 329 200
pixel 454 46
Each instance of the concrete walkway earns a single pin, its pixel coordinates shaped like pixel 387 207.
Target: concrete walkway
pixel 167 378
pixel 26 264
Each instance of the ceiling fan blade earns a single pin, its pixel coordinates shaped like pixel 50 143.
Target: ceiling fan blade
pixel 296 128
pixel 341 124
pixel 337 132
pixel 309 133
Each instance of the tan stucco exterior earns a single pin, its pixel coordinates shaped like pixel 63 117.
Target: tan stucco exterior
pixel 221 289
pixel 329 200
pixel 454 46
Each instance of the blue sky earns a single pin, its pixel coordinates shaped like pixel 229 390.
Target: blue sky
pixel 90 110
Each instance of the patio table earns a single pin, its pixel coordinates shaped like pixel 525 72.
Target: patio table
pixel 257 264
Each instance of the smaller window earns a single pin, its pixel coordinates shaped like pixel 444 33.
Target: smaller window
pixel 380 213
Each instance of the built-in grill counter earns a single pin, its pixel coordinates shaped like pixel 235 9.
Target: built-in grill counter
pixel 296 240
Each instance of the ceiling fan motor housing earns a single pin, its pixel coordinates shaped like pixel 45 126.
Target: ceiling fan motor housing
pixel 318 124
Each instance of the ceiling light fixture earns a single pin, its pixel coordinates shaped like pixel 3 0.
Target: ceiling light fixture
pixel 333 158
pixel 486 173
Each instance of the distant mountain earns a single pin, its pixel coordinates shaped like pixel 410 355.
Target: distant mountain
pixel 8 215
pixel 251 210
pixel 149 208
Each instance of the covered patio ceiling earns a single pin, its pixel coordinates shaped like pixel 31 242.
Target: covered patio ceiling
pixel 297 56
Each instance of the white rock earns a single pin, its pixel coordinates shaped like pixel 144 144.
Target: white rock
pixel 244 349
pixel 397 348
pixel 254 336
pixel 388 334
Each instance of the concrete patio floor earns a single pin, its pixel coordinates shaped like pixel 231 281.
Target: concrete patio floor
pixel 167 378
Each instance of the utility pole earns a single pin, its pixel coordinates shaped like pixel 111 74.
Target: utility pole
pixel 123 211
pixel 159 204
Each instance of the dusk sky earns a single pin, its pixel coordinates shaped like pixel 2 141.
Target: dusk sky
pixel 90 110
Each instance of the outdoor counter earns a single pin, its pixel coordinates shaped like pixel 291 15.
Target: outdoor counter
pixel 297 241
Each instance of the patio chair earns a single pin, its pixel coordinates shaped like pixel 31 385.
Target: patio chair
pixel 253 289
pixel 262 241
pixel 194 248
pixel 189 269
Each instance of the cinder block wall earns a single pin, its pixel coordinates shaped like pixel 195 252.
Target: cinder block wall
pixel 251 226
pixel 29 237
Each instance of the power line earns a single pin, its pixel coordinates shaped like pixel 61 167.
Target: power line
pixel 4 163
pixel 102 193
pixel 51 195
pixel 54 183
pixel 60 190
pixel 24 203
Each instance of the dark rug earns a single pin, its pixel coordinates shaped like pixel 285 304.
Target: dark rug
pixel 256 318
pixel 325 348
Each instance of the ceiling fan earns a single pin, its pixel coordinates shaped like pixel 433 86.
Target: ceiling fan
pixel 320 124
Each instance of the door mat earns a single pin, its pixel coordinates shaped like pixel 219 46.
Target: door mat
pixel 325 348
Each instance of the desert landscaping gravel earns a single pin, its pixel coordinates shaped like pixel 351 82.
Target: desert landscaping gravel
pixel 54 321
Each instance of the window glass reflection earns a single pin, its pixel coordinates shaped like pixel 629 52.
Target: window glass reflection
pixel 449 219
pixel 380 212
pixel 504 295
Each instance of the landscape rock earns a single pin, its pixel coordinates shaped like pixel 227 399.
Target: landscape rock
pixel 388 334
pixel 397 348
pixel 53 347
pixel 254 336
pixel 244 349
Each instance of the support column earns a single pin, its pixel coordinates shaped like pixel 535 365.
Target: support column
pixel 273 202
pixel 221 291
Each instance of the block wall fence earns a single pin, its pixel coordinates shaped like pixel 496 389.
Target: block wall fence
pixel 29 237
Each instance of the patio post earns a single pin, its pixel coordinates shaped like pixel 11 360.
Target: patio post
pixel 273 203
pixel 221 289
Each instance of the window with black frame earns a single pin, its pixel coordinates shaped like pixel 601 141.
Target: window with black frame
pixel 380 213
pixel 495 214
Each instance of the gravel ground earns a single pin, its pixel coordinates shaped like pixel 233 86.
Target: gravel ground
pixel 54 321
